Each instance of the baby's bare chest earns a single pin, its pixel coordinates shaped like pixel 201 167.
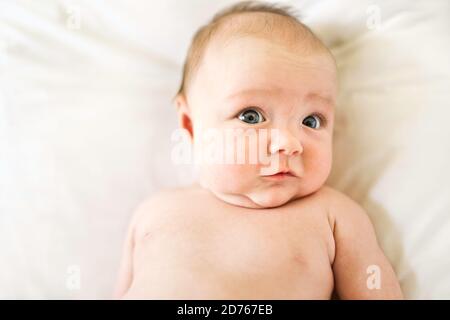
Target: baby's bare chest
pixel 248 246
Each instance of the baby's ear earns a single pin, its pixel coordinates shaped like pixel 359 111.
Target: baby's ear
pixel 184 114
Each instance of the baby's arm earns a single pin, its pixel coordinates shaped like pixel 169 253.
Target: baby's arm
pixel 125 276
pixel 359 262
pixel 126 266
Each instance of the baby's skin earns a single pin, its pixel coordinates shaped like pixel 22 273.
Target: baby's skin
pixel 187 244
pixel 245 233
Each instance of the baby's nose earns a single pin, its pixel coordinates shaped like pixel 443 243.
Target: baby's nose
pixel 284 141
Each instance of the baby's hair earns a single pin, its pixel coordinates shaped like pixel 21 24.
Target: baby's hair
pixel 204 35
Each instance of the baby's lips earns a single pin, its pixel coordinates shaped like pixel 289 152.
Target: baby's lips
pixel 285 171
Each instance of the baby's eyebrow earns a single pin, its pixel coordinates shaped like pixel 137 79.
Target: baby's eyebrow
pixel 322 97
pixel 247 92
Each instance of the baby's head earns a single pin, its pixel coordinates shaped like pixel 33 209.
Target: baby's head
pixel 255 67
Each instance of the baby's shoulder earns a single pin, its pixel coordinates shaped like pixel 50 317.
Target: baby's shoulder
pixel 326 197
pixel 342 208
pixel 164 204
pixel 332 195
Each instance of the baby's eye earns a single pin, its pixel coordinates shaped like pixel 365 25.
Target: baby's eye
pixel 251 116
pixel 312 121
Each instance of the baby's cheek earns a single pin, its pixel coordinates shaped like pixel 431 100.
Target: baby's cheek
pixel 317 164
pixel 232 178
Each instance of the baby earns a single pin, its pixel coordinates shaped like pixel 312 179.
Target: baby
pixel 264 229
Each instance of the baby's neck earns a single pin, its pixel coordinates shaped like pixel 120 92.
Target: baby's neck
pixel 237 200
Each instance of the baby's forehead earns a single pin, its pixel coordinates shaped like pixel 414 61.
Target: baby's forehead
pixel 247 42
pixel 276 28
pixel 248 63
pixel 267 36
pixel 250 50
pixel 249 58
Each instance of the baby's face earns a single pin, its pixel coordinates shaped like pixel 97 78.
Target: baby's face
pixel 254 83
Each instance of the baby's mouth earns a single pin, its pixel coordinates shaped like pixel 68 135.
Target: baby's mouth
pixel 281 175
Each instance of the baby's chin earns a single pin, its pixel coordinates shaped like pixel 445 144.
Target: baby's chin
pixel 273 197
